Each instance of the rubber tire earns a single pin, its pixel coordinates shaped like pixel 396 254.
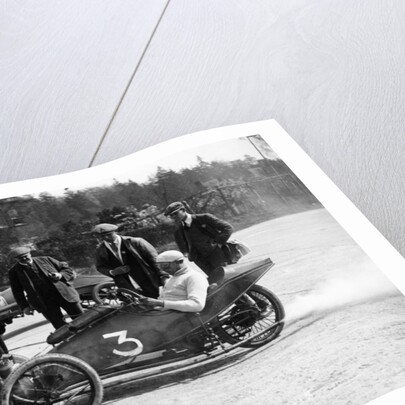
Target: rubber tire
pixel 86 369
pixel 275 331
pixel 95 293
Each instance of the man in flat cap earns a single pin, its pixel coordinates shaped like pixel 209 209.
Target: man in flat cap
pixel 45 284
pixel 200 236
pixel 185 291
pixel 130 261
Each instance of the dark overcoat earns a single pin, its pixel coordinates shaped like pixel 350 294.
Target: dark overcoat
pixel 206 228
pixel 24 290
pixel 143 253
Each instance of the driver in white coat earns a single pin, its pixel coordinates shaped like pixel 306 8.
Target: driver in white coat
pixel 185 290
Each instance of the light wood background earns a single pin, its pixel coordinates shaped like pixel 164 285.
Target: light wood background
pixel 85 82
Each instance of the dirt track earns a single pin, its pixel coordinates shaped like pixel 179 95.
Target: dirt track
pixel 344 339
pixel 333 349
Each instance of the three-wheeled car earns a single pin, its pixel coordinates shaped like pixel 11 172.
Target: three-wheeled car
pixel 113 340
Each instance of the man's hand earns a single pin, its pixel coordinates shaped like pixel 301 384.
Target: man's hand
pixel 119 270
pixel 151 302
pixel 55 276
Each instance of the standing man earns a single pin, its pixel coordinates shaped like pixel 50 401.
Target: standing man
pixel 130 261
pixel 44 284
pixel 200 237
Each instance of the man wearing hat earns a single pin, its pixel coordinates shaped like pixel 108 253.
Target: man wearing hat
pixel 200 236
pixel 45 284
pixel 185 291
pixel 130 261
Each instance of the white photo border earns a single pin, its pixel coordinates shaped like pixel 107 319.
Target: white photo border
pixel 385 256
pixel 373 243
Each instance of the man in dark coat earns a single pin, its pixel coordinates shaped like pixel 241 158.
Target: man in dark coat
pixel 130 261
pixel 200 237
pixel 44 284
pixel 3 346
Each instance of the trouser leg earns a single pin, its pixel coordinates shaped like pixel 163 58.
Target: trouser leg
pixel 3 347
pixel 217 258
pixel 209 263
pixel 54 315
pixel 74 309
pixel 122 281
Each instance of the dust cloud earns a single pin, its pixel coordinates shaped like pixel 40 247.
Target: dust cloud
pixel 354 286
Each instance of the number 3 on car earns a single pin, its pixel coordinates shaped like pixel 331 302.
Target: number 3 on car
pixel 122 338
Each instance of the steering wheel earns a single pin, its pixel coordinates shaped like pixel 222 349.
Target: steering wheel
pixel 129 296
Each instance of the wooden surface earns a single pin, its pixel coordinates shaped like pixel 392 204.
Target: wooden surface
pixel 83 83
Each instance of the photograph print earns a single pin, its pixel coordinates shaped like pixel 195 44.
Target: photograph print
pixel 211 272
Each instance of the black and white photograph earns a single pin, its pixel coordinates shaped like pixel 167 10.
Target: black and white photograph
pixel 206 271
pixel 202 201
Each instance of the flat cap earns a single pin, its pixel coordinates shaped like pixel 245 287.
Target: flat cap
pixel 174 207
pixel 169 256
pixel 19 251
pixel 104 228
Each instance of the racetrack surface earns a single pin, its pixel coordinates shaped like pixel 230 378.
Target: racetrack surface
pixel 333 350
pixel 344 338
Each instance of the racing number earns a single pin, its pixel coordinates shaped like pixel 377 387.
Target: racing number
pixel 122 338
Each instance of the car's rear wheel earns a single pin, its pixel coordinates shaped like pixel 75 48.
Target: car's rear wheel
pixel 258 312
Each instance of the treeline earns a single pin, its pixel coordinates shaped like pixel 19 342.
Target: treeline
pixel 245 192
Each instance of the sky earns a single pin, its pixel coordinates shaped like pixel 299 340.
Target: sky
pixel 141 166
pixel 227 150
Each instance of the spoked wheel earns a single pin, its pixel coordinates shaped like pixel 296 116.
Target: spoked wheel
pixel 106 294
pixel 129 296
pixel 53 379
pixel 258 310
pixel 87 302
pixel 109 294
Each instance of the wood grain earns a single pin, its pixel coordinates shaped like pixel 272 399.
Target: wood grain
pixel 63 68
pixel 329 71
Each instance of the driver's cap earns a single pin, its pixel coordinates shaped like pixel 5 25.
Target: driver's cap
pixel 169 256
pixel 102 229
pixel 19 251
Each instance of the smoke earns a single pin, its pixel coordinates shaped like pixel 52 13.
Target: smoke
pixel 354 286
